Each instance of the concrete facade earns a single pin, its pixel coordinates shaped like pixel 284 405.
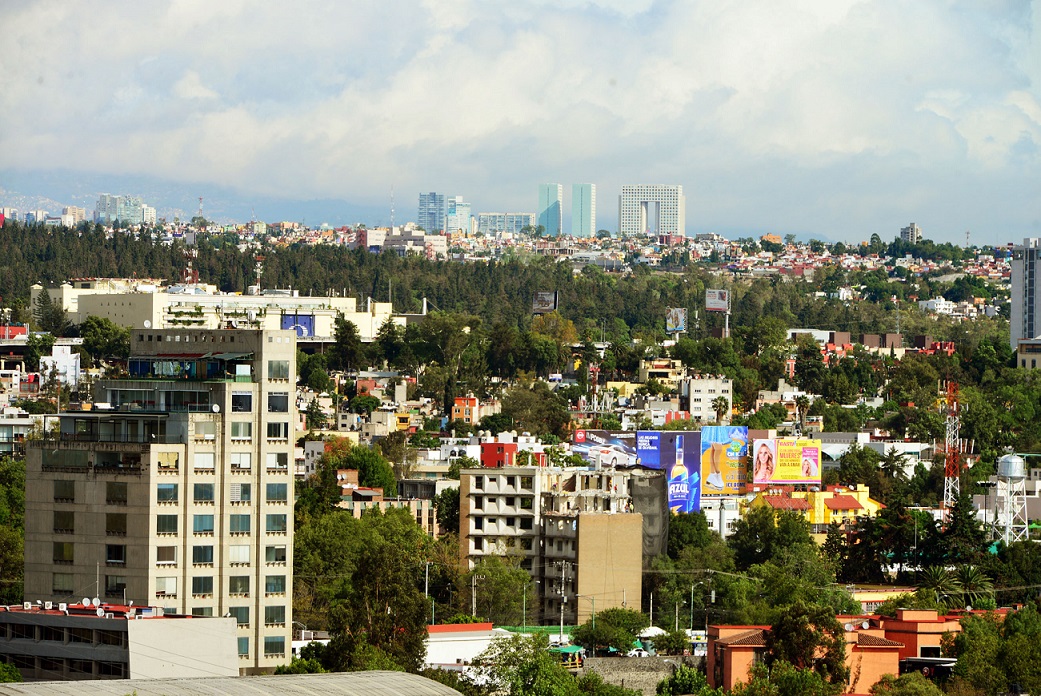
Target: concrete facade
pixel 639 203
pixel 180 495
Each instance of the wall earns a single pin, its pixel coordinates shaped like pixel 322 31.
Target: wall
pixel 195 647
pixel 610 561
pixel 642 673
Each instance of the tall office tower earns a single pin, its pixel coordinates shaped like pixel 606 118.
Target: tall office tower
pixel 583 210
pixel 1025 320
pixel 514 223
pixel 912 234
pixel 550 211
pixel 640 204
pixel 457 216
pixel 105 210
pixel 431 215
pixel 180 495
pixel 130 210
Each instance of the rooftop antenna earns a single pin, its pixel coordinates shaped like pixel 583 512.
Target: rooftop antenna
pixel 258 268
pixel 966 239
pixel 392 209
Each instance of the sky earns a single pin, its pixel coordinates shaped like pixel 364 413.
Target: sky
pixel 832 118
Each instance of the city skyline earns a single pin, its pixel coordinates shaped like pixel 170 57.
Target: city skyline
pixel 830 119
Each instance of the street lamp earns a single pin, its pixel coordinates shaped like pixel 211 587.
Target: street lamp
pixel 592 599
pixel 524 620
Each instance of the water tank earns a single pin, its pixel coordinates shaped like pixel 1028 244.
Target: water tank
pixel 1012 466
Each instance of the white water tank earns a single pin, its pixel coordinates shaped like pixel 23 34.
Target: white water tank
pixel 1012 467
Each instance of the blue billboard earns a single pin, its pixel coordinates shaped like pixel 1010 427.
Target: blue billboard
pixel 678 454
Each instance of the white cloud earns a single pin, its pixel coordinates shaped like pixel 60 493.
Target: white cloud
pixel 797 114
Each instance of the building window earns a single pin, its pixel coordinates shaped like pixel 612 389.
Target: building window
pixel 168 461
pixel 202 554
pixel 202 611
pixel 63 552
pixel 64 522
pixel 202 586
pixel 202 524
pixel 478 544
pixel 525 523
pixel 241 492
pixel 116 492
pixel 478 523
pixel 243 646
pixel 238 554
pixel 277 460
pixel 166 524
pixel 274 615
pixel 166 587
pixel 525 503
pixel 478 503
pixel 479 483
pixel 275 584
pixel 239 524
pixel 205 460
pixel 116 523
pixel 206 429
pixel 278 402
pixel 526 482
pixel 275 554
pixel 116 554
pixel 242 461
pixel 241 615
pixel 64 491
pixel 511 481
pixel 238 584
pixel 62 583
pixel 115 585
pixel 276 523
pixel 241 430
pixel 274 645
pixel 166 493
pixel 241 402
pixel 278 369
pixel 166 555
pixel 203 492
pixel 277 492
pixel 278 431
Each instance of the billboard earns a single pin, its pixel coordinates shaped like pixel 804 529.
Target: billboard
pixel 680 455
pixel 544 303
pixel 786 460
pixel 303 324
pixel 676 320
pixel 724 460
pixel 605 447
pixel 717 300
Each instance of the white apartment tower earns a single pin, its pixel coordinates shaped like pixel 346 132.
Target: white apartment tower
pixel 912 234
pixel 641 204
pixel 1025 322
pixel 180 494
pixel 583 210
pixel 550 211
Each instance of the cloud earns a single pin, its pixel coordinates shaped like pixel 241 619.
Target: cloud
pixel 829 116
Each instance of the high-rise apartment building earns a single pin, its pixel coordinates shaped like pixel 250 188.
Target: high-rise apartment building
pixel 128 209
pixel 180 494
pixel 1025 317
pixel 653 209
pixel 514 223
pixel 583 210
pixel 457 216
pixel 550 210
pixel 431 215
pixel 78 214
pixel 912 234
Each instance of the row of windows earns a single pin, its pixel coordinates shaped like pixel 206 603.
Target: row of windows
pixel 204 524
pixel 272 615
pixel 525 522
pixel 203 585
pixel 63 553
pixel 273 645
pixel 239 461
pixel 242 402
pixel 526 502
pixel 511 482
pixel 239 492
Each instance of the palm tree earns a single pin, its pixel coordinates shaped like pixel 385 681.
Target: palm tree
pixel 943 583
pixel 975 585
pixel 892 464
pixel 802 405
pixel 720 405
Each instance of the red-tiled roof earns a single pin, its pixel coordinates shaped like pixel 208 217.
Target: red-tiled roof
pixel 842 502
pixel 755 638
pixel 783 502
pixel 869 641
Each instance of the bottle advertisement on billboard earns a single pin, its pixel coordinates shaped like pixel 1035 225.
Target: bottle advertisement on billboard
pixel 724 460
pixel 680 456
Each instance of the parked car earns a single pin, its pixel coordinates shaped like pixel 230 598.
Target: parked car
pixel 637 652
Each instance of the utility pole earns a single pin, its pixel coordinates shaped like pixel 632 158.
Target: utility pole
pixel 563 595
pixel 473 593
pixel 426 590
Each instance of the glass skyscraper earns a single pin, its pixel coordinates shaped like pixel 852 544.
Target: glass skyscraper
pixel 583 210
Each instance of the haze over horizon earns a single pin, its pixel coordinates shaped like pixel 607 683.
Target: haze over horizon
pixel 828 118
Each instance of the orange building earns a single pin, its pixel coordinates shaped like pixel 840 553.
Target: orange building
pixel 466 409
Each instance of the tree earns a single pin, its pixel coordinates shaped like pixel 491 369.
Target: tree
pixel 373 470
pixel 688 530
pixel 446 507
pixel 103 338
pixel 536 410
pixel 720 405
pixel 36 346
pixel 910 684
pixel 686 680
pixel 521 665
pixel 445 338
pixel 364 403
pixel 50 316
pixel 9 673
pixel 346 353
pixel 500 587
pixel 315 415
pixel 614 628
pixel 808 636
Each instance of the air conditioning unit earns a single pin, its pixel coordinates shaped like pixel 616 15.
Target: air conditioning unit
pixel 27 605
pixel 63 607
pixel 48 605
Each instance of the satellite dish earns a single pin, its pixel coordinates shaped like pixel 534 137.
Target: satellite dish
pixel 100 612
pixel 968 607
pixel 215 408
pixel 848 627
pixel 148 324
pixel 86 601
pixel 96 602
pixel 866 624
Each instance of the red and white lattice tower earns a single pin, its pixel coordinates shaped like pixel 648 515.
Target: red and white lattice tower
pixel 951 449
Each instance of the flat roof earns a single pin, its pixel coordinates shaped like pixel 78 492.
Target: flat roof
pixel 337 684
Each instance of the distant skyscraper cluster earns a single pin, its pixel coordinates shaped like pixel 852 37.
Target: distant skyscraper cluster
pixel 550 212
pixel 457 216
pixel 431 216
pixel 128 209
pixel 653 209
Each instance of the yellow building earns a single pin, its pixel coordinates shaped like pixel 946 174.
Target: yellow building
pixel 820 508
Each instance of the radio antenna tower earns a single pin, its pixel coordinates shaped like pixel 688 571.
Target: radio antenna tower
pixel 952 449
pixel 392 210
